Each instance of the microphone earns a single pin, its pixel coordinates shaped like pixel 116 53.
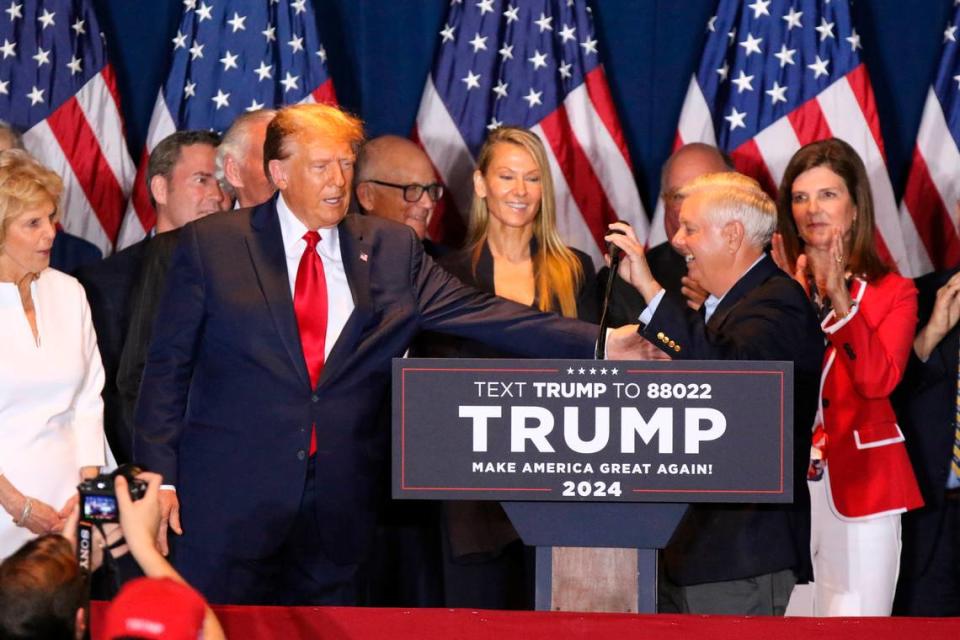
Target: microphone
pixel 615 255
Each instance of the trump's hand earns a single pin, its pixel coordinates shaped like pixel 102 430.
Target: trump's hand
pixel 169 517
pixel 625 343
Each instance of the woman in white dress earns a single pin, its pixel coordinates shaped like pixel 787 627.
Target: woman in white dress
pixel 51 414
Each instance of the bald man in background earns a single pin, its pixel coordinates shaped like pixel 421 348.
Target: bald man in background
pixel 389 171
pixel 667 265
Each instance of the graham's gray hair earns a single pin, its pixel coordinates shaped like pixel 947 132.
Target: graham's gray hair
pixel 731 196
pixel 236 138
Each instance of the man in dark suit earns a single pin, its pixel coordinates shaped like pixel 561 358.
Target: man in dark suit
pixel 182 186
pixel 666 263
pixel 926 403
pixel 735 559
pixel 395 180
pixel 270 361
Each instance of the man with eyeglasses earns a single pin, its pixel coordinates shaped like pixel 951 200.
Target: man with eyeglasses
pixel 395 180
pixel 666 263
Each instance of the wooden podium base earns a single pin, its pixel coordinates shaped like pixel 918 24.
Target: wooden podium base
pixel 596 579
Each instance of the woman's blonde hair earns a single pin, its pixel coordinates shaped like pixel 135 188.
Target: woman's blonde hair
pixel 24 184
pixel 556 270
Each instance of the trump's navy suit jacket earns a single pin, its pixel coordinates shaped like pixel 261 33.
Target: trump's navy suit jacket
pixel 226 407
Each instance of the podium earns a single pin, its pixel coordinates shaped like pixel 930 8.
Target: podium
pixel 594 462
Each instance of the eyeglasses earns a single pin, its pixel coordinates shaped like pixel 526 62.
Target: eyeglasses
pixel 413 192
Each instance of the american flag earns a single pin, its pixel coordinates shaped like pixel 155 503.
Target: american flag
pixel 58 88
pixel 778 74
pixel 932 193
pixel 231 56
pixel 534 64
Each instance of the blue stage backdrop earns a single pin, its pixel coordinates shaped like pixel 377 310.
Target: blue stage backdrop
pixel 380 51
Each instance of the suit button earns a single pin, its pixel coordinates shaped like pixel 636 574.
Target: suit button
pixel 825 403
pixel 676 348
pixel 301 454
pixel 660 335
pixel 314 398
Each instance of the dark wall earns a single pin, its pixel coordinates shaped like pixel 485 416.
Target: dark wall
pixel 381 50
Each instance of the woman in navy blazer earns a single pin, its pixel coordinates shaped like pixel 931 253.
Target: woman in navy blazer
pixel 860 477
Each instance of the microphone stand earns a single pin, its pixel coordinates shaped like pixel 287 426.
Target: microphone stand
pixel 615 255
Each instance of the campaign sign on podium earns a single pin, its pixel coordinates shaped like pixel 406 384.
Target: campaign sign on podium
pixel 587 430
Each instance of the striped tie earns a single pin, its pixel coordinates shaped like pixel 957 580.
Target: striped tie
pixel 954 480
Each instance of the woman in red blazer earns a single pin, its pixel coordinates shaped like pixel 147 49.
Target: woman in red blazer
pixel 860 478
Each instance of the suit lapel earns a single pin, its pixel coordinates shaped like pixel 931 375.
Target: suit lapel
pixel 265 246
pixel 758 274
pixel 356 253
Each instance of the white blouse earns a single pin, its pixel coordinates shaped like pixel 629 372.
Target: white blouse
pixel 51 413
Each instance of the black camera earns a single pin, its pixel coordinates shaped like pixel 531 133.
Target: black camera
pixel 98 498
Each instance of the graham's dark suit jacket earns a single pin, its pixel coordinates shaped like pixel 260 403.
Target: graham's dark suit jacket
pixel 925 405
pixel 108 285
pixel 226 406
pixel 765 316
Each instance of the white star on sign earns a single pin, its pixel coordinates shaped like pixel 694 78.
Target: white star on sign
pixel 485 6
pixel 264 71
pixel 593 371
pixel 760 8
pixel 854 40
pixel 777 93
pixel 35 96
pixel 511 14
pixel 270 33
pixel 614 371
pixel 825 29
pixel 289 82
pixel 506 52
pixel 47 18
pixel 237 22
pixel 501 89
pixel 78 27
pixel 564 69
pixel 196 51
pixel 736 119
pixel 590 46
pixel 478 43
pixel 75 65
pixel 544 22
pixel 950 33
pixel 793 19
pixel 603 371
pixel 229 61
pixel 743 82
pixel 538 59
pixel 472 80
pixel 447 33
pixel 14 10
pixel 819 68
pixel 568 33
pixel 180 41
pixel 203 13
pixel 570 370
pixel 221 99
pixel 189 89
pixel 8 49
pixel 785 56
pixel 723 71
pixel 299 6
pixel 581 371
pixel 533 98
pixel 296 44
pixel 751 44
pixel 42 57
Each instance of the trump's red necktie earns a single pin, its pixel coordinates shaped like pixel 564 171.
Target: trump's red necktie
pixel 310 306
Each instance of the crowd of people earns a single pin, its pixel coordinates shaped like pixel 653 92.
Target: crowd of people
pixel 242 354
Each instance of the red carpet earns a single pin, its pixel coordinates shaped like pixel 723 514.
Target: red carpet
pixel 343 623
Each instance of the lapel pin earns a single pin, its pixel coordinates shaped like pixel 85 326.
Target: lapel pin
pixel 363 256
